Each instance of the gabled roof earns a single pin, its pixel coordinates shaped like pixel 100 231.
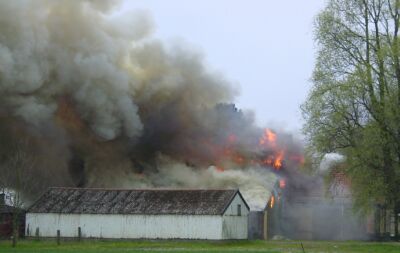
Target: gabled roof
pixel 137 201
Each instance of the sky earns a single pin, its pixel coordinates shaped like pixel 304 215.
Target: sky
pixel 264 47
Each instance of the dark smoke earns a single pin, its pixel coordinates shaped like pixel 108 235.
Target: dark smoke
pixel 95 101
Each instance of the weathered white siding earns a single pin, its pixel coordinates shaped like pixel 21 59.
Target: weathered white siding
pixel 126 226
pixel 234 226
pixel 233 207
pixel 231 225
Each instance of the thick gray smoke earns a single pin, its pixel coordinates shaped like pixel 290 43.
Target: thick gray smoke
pixel 52 48
pixel 93 100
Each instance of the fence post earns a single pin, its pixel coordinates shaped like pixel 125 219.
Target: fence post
pixel 79 234
pixel 37 233
pixel 58 237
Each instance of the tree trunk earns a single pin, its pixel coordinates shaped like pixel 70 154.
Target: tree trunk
pixel 378 220
pixel 14 237
pixel 396 221
pixel 15 227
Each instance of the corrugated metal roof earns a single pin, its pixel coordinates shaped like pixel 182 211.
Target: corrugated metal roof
pixel 115 201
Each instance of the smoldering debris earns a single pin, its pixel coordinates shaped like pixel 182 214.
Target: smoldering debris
pixel 101 103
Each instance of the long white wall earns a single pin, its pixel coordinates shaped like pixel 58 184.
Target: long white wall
pixel 230 225
pixel 126 226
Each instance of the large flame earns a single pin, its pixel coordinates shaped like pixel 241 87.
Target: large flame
pixel 278 159
pixel 269 141
pixel 270 153
pixel 269 138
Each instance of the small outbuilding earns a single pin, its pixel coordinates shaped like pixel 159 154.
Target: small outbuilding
pixel 149 214
pixel 7 213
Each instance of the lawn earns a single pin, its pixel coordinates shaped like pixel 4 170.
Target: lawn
pixel 91 246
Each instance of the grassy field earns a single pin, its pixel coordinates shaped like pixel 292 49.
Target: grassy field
pixel 199 246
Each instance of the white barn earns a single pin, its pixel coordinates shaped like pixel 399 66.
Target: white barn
pixel 150 214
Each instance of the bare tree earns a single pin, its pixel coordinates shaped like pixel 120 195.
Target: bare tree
pixel 16 175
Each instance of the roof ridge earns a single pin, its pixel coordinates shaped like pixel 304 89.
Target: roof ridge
pixel 144 189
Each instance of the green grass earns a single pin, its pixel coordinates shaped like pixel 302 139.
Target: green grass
pixel 91 246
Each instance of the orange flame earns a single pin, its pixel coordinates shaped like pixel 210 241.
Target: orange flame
pixel 273 155
pixel 272 201
pixel 268 161
pixel 278 160
pixel 268 137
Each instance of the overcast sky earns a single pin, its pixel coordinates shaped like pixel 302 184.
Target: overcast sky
pixel 265 47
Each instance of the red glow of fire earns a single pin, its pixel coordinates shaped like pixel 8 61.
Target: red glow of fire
pixel 297 158
pixel 269 161
pixel 232 138
pixel 231 155
pixel 238 159
pixel 68 116
pixel 220 169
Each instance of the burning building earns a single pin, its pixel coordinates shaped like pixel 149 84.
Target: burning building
pixel 90 99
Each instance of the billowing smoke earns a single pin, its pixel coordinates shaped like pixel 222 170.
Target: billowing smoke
pixel 92 100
